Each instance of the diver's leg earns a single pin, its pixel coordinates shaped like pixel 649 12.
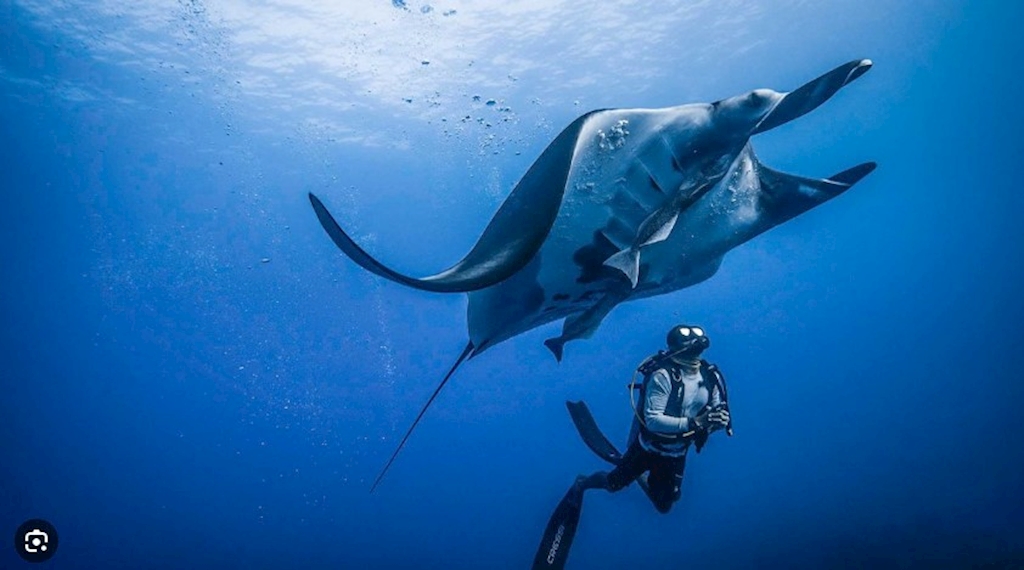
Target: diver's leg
pixel 633 464
pixel 596 480
pixel 664 483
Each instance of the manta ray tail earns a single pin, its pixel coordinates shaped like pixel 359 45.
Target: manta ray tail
pixel 628 262
pixel 467 352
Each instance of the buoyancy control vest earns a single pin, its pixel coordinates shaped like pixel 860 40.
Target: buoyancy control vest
pixel 711 377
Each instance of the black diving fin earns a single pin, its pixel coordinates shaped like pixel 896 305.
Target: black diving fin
pixel 591 434
pixel 596 440
pixel 558 535
pixel 554 546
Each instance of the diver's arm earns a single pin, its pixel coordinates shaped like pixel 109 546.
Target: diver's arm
pixel 655 400
pixel 715 399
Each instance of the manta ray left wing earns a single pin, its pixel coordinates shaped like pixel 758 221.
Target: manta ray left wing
pixel 511 239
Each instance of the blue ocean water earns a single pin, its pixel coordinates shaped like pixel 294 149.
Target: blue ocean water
pixel 194 377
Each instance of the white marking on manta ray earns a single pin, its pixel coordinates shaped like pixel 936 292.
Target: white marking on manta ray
pixel 624 204
pixel 743 191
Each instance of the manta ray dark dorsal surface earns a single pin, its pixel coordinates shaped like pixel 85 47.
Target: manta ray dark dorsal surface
pixel 513 236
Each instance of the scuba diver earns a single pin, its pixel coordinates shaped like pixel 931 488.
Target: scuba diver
pixel 682 400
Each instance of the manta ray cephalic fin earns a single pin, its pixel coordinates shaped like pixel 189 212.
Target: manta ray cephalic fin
pixel 831 185
pixel 788 195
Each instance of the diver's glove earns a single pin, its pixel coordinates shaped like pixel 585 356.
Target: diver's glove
pixel 712 419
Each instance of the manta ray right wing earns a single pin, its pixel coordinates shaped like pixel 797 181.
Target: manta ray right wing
pixel 511 239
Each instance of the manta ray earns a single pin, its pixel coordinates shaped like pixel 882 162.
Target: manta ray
pixel 623 204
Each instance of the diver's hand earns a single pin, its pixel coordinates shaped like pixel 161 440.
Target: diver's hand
pixel 713 419
pixel 719 418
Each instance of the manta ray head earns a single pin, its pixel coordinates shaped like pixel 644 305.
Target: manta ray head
pixel 743 113
pixel 758 197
